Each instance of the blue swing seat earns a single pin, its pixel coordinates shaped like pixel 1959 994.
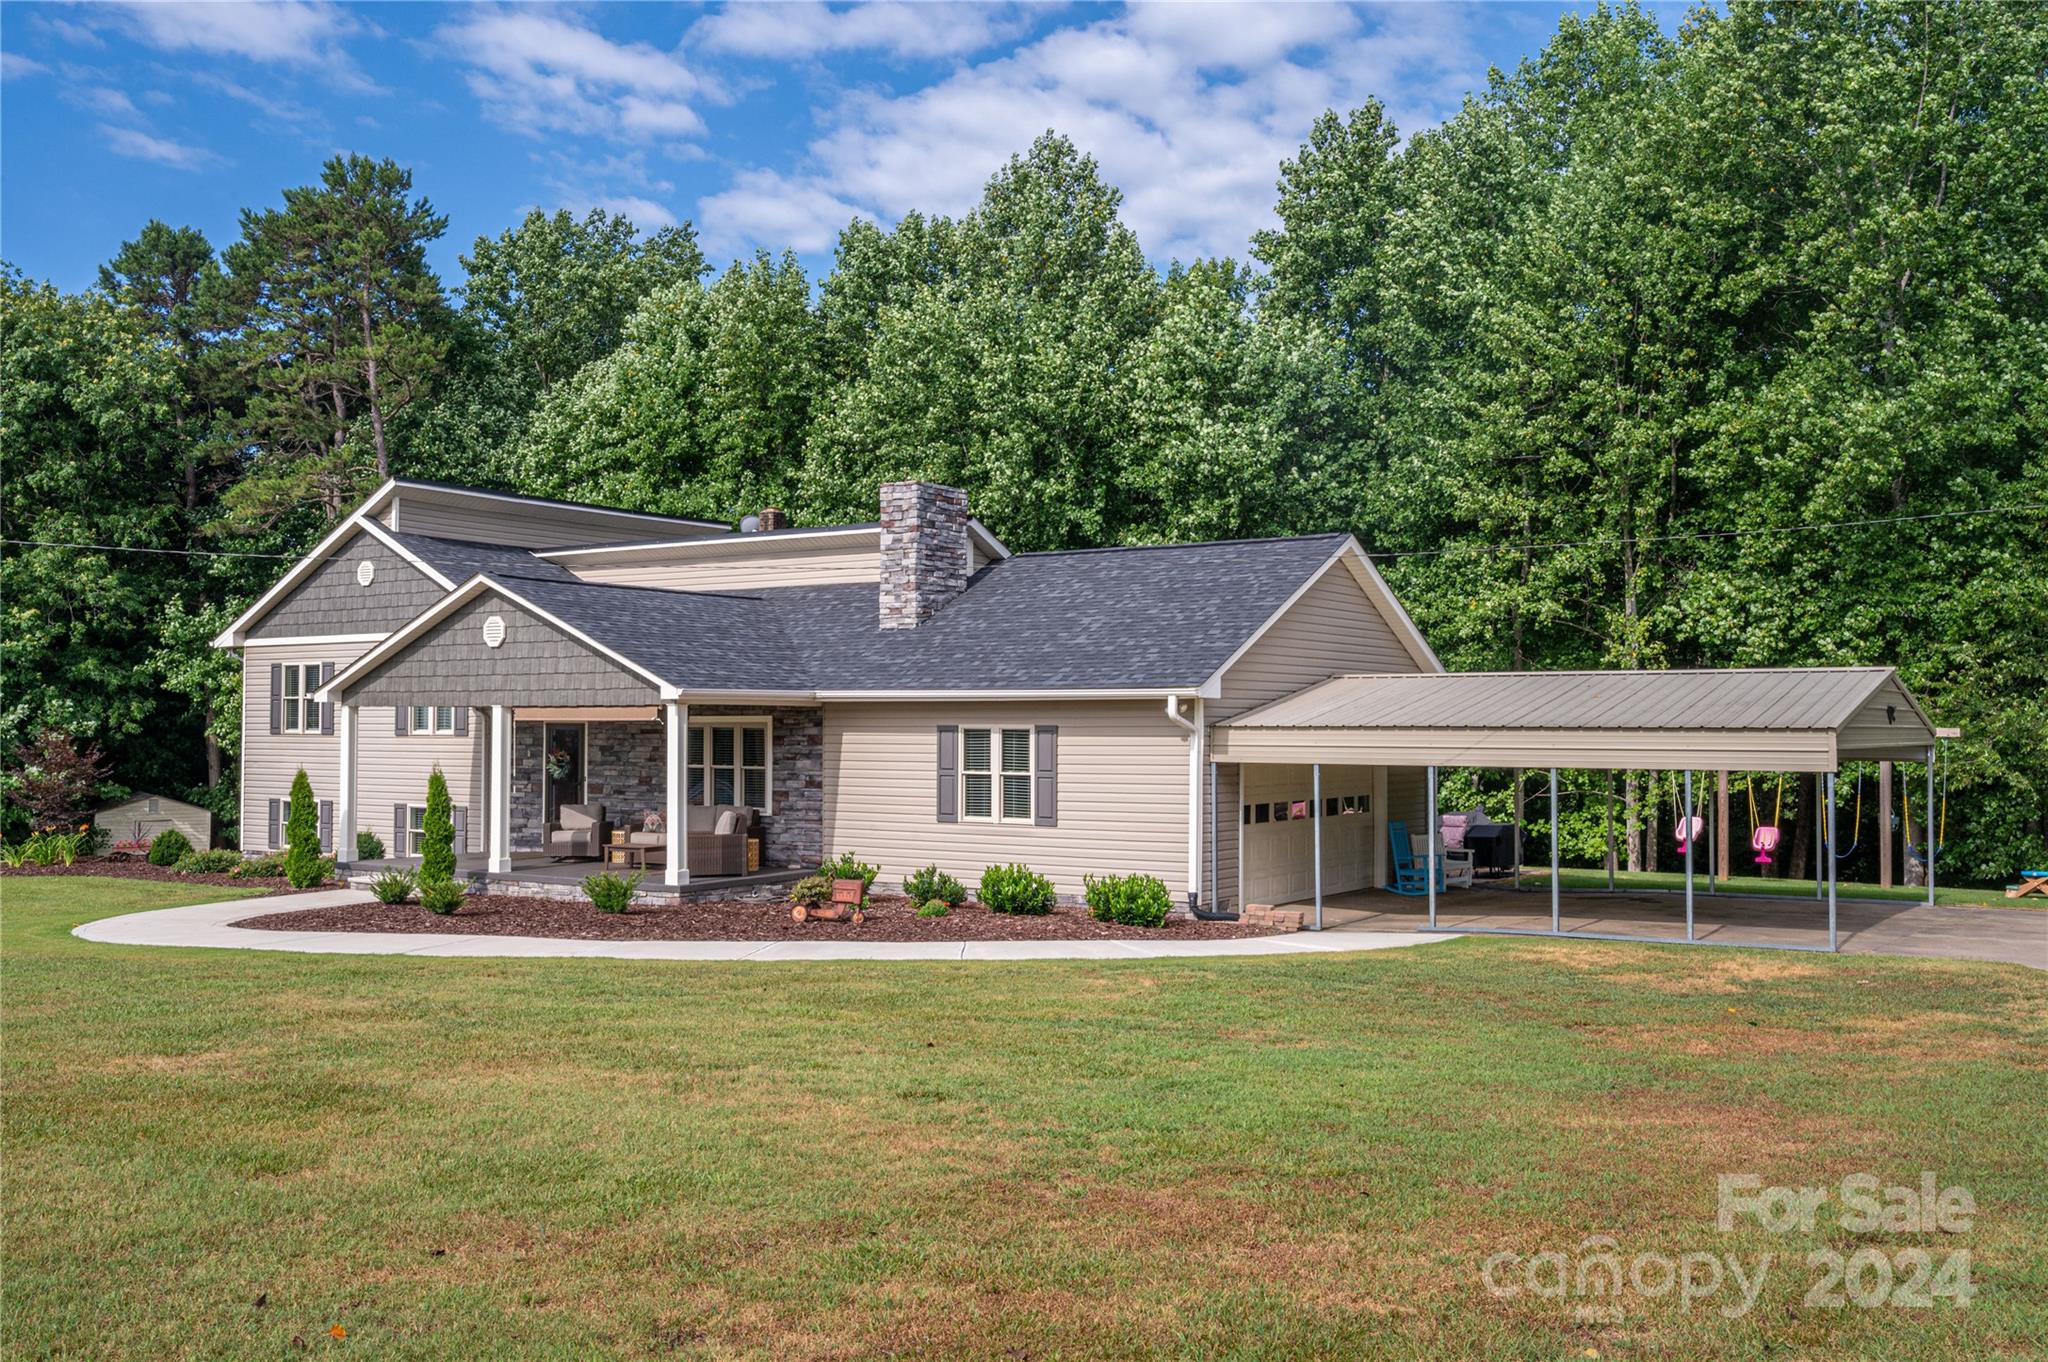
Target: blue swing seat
pixel 1411 873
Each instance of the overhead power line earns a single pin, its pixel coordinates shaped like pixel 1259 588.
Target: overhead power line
pixel 142 548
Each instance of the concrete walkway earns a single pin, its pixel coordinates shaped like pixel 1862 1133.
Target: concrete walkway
pixel 206 924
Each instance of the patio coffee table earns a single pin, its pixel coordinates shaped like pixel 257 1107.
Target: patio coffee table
pixel 633 855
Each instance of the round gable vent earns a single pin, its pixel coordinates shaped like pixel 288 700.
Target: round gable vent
pixel 365 570
pixel 494 631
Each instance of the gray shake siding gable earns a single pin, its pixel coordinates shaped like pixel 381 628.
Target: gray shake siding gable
pixel 333 601
pixel 537 664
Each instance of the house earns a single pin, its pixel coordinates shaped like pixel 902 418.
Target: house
pixel 144 814
pixel 912 691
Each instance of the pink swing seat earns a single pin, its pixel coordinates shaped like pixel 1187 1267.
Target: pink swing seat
pixel 1764 841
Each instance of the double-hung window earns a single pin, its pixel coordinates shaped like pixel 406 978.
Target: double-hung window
pixel 300 712
pixel 995 775
pixel 729 764
pixel 415 830
pixel 433 719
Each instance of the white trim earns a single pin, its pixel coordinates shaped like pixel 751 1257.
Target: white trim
pixel 997 772
pixel 498 789
pixel 764 722
pixel 927 696
pixel 309 640
pixel 346 795
pixel 370 661
pixel 676 860
pixel 1197 732
pixel 1353 555
pixel 383 536
pixel 994 545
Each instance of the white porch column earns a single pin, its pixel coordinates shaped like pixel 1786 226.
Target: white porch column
pixel 676 865
pixel 498 770
pixel 345 791
pixel 1315 811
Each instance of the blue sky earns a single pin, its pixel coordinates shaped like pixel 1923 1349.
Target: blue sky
pixel 768 125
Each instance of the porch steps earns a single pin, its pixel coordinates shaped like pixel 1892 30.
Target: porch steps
pixel 1266 915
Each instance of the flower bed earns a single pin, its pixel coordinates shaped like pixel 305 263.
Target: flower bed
pixel 108 868
pixel 889 918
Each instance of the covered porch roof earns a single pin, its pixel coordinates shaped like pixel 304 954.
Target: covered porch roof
pixel 1779 718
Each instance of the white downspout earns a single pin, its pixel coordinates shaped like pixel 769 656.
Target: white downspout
pixel 1195 728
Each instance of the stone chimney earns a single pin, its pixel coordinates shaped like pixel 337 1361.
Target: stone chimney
pixel 772 518
pixel 925 558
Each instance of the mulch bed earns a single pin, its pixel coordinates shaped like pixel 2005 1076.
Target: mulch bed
pixel 889 918
pixel 143 870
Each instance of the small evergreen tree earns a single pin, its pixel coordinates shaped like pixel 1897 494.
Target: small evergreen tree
pixel 302 836
pixel 437 834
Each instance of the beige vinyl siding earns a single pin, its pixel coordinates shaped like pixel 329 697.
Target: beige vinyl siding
pixel 388 768
pixel 1408 797
pixel 1872 734
pixel 798 567
pixel 488 520
pixel 1223 893
pixel 131 819
pixel 1334 628
pixel 1123 792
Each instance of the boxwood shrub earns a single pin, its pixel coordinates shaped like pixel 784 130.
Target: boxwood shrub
pixel 1017 889
pixel 1134 900
pixel 442 897
pixel 208 863
pixel 934 908
pixel 847 866
pixel 610 891
pixel 169 845
pixel 394 886
pixel 931 883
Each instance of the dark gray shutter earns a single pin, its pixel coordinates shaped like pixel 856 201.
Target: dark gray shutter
pixel 398 846
pixel 327 827
pixel 1045 776
pixel 949 773
pixel 326 706
pixel 462 721
pixel 403 712
pixel 272 841
pixel 276 698
pixel 461 820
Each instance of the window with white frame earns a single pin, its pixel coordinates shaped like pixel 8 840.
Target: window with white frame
pixel 300 712
pixel 415 830
pixel 433 719
pixel 729 764
pixel 995 775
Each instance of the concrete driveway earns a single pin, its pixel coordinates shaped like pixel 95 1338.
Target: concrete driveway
pixel 2010 935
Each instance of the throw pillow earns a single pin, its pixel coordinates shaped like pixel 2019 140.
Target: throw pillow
pixel 727 824
pixel 1454 831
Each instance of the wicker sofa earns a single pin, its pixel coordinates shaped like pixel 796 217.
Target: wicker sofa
pixel 711 852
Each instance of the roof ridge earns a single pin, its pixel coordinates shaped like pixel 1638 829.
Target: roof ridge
pixel 434 485
pixel 1190 544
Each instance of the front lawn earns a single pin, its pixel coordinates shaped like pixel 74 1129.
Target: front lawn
pixel 232 1153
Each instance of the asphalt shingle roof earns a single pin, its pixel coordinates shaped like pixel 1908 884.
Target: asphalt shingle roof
pixel 459 560
pixel 1132 618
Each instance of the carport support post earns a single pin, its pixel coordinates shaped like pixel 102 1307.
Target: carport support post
pixel 1556 904
pixel 1315 811
pixel 1833 861
pixel 1429 869
pixel 1610 831
pixel 1927 847
pixel 1690 838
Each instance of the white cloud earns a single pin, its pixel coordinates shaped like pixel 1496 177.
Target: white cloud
pixel 297 33
pixel 645 214
pixel 1189 109
pixel 768 209
pixel 143 146
pixel 14 66
pixel 536 72
pixel 808 28
pixel 100 99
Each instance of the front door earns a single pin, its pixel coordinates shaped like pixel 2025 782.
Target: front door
pixel 562 767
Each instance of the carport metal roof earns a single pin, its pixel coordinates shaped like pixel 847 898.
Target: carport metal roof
pixel 1782 719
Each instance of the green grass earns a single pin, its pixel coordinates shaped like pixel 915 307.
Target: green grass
pixel 214 1153
pixel 1961 896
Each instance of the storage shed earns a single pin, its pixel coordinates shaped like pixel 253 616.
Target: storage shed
pixel 143 815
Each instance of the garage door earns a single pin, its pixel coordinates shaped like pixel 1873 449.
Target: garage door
pixel 1279 851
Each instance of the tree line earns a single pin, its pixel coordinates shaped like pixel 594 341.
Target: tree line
pixel 1719 349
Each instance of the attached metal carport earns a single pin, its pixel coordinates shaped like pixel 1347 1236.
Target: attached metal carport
pixel 1807 719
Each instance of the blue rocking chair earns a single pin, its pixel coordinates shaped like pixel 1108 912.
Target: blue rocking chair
pixel 1411 873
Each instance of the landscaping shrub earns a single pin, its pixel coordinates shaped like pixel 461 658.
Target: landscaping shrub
pixel 812 891
pixel 847 866
pixel 268 866
pixel 369 846
pixel 933 883
pixel 934 908
pixel 302 836
pixel 208 862
pixel 443 897
pixel 52 848
pixel 611 892
pixel 1133 900
pixel 13 855
pixel 437 834
pixel 169 845
pixel 393 886
pixel 1016 889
